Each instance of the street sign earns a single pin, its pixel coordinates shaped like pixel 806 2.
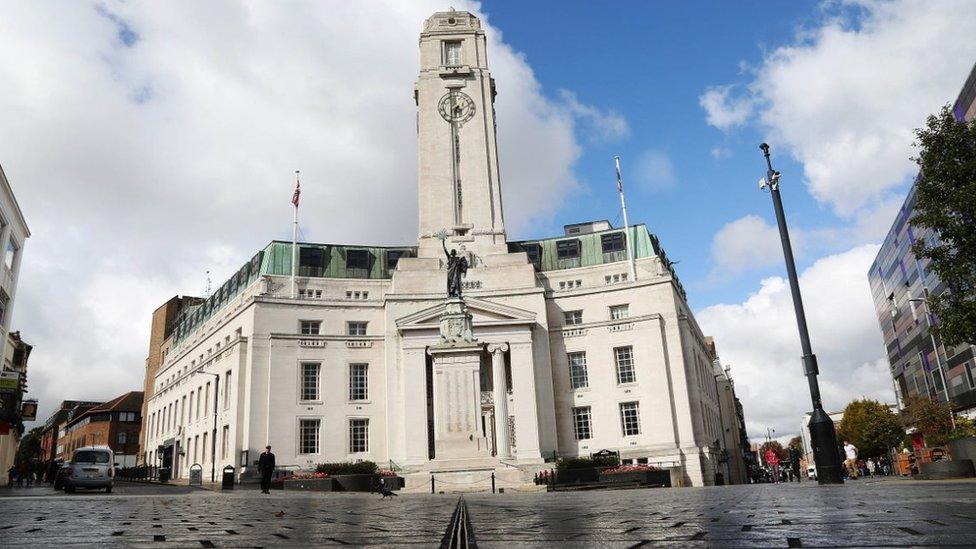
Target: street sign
pixel 9 382
pixel 28 410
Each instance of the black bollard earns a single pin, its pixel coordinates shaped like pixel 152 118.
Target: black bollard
pixel 431 484
pixel 492 482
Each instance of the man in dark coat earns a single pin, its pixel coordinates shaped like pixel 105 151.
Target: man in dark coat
pixel 266 466
pixel 795 462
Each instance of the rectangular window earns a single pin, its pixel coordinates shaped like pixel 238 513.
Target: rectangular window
pixel 452 53
pixel 618 312
pixel 358 436
pixel 358 381
pixel 624 359
pixel 393 257
pixel 206 400
pixel 356 328
pixel 581 423
pixel 225 435
pixel 310 327
pixel 196 448
pixel 357 263
pixel 199 392
pixel 308 436
pixel 938 381
pixel 577 370
pixel 227 391
pixel 630 418
pixel 311 261
pixel 310 380
pixel 182 408
pixel 969 376
pixel 567 249
pixel 613 242
pixel 8 258
pixel 573 317
pixel 203 449
pixel 123 437
pixel 534 253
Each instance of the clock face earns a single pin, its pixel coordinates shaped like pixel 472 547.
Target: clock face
pixel 457 107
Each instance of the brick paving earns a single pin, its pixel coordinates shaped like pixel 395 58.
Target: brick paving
pixel 890 513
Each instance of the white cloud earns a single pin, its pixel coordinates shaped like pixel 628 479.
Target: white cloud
pixel 845 97
pixel 725 112
pixel 758 337
pixel 147 144
pixel 599 124
pixel 720 153
pixel 745 244
pixel 654 172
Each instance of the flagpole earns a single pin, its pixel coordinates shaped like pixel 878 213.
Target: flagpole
pixel 294 239
pixel 623 206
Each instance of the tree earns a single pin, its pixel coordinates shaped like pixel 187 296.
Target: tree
pixel 30 446
pixel 782 453
pixel 872 427
pixel 796 442
pixel 931 418
pixel 946 204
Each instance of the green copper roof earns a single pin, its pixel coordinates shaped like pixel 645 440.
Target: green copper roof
pixel 334 261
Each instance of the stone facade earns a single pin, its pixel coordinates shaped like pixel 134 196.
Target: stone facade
pixel 557 348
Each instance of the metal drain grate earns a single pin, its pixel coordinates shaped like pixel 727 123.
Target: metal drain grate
pixel 459 534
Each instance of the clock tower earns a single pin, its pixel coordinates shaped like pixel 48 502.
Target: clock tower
pixel 460 191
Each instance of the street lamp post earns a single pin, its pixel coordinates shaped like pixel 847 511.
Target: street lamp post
pixel 822 434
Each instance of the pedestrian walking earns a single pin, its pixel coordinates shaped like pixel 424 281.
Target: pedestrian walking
pixel 11 476
pixel 266 466
pixel 773 461
pixel 795 463
pixel 850 452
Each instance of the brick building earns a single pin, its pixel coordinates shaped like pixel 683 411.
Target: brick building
pixel 115 424
pixel 54 427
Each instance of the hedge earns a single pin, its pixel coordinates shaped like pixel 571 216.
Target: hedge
pixel 347 468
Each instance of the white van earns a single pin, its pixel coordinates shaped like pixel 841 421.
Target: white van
pixel 90 467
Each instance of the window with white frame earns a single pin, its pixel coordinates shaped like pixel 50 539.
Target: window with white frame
pixel 310 327
pixel 630 418
pixel 577 370
pixel 618 312
pixel 358 435
pixel 225 435
pixel 452 53
pixel 358 381
pixel 227 391
pixel 356 328
pixel 123 437
pixel 581 423
pixel 308 436
pixel 573 317
pixel 310 380
pixel 623 357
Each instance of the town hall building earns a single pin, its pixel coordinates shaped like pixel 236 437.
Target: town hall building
pixel 558 347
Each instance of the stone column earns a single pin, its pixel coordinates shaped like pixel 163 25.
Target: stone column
pixel 526 411
pixel 497 350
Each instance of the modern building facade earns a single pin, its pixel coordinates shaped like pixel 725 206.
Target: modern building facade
pixel 581 342
pixel 921 363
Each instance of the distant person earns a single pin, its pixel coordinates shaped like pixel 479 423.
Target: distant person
pixel 773 461
pixel 266 466
pixel 11 476
pixel 795 463
pixel 872 467
pixel 850 452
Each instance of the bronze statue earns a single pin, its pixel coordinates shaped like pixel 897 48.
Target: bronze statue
pixel 457 267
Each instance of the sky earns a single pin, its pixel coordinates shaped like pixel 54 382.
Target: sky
pixel 149 143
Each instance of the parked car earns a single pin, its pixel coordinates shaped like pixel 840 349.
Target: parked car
pixel 812 472
pixel 90 467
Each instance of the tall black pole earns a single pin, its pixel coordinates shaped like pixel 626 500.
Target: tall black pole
pixel 822 434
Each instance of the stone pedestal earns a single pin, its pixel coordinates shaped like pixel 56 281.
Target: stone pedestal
pixel 457 401
pixel 457 386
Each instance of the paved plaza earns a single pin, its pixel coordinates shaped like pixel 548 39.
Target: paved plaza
pixel 887 513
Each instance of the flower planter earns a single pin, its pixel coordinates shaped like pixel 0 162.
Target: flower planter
pixel 310 484
pixel 578 476
pixel 648 478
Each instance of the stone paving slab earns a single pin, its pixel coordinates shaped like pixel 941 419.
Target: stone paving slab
pixel 858 514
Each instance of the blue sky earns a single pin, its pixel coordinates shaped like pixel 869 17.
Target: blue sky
pixel 650 62
pixel 152 143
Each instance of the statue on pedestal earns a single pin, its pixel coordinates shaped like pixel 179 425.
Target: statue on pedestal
pixel 457 267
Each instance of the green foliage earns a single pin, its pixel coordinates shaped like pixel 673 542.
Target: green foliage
pixel 585 462
pixel 796 442
pixel 347 468
pixel 30 446
pixel 946 204
pixel 782 453
pixel 965 428
pixel 872 427
pixel 931 418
